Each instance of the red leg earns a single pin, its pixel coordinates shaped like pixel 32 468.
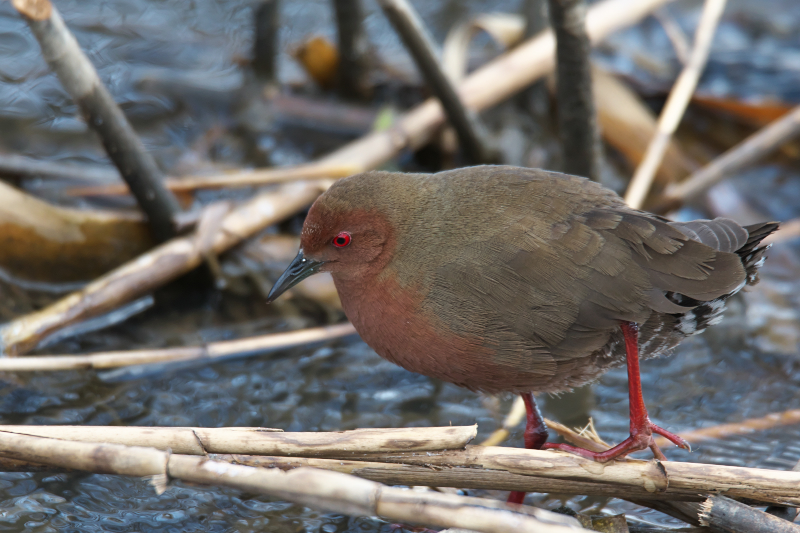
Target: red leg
pixel 535 436
pixel 641 428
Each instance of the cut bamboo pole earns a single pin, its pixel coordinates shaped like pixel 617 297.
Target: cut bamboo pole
pixel 123 146
pixel 209 352
pixel 262 441
pixel 329 491
pixel 153 269
pixel 676 104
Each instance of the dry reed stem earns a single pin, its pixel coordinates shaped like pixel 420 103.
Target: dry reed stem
pixel 758 145
pixel 262 441
pixel 772 420
pixel 329 491
pixel 208 352
pixel 459 477
pixel 153 269
pixel 676 104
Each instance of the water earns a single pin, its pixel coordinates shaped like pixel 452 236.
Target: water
pixel 171 66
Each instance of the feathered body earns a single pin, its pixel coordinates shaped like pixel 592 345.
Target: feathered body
pixel 509 279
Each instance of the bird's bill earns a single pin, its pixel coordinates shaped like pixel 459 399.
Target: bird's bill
pixel 299 269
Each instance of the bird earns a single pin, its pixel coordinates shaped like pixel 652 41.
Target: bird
pixel 507 279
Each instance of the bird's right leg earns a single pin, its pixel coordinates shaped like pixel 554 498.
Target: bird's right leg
pixel 535 435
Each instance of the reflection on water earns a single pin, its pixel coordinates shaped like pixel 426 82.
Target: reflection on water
pixel 745 367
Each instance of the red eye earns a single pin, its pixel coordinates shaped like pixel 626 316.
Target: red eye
pixel 341 240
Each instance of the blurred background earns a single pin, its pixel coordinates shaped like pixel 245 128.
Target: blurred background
pixel 182 73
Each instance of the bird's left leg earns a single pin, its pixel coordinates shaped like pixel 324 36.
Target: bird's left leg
pixel 535 435
pixel 641 428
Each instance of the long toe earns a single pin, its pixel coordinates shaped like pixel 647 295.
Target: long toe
pixel 672 437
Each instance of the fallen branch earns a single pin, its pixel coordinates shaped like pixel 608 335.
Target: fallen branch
pixel 154 268
pixel 261 441
pixel 758 145
pixel 329 491
pixel 209 352
pixel 123 146
pixel 676 104
pixel 419 43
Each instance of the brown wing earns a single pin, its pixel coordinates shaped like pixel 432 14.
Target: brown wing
pixel 558 295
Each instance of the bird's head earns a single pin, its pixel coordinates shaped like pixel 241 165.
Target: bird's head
pixel 345 233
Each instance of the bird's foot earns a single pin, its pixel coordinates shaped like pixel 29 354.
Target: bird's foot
pixel 640 439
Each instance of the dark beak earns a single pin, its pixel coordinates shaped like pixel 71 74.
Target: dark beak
pixel 298 270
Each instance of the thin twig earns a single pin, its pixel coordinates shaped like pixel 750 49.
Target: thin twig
pixel 747 152
pixel 420 45
pixel 210 352
pixel 676 104
pixel 123 146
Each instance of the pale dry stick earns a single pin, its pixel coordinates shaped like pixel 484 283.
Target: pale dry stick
pixel 329 491
pixel 153 269
pixel 208 352
pixel 241 178
pixel 123 146
pixel 419 43
pixel 485 87
pixel 262 441
pixel 747 152
pixel 676 104
pixel 460 477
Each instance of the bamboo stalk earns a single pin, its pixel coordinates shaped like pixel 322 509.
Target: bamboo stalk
pixel 209 352
pixel 419 43
pixel 151 270
pixel 676 104
pixel 123 146
pixel 262 441
pixel 329 491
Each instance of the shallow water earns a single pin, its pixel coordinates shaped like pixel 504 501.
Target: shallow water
pixel 746 367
